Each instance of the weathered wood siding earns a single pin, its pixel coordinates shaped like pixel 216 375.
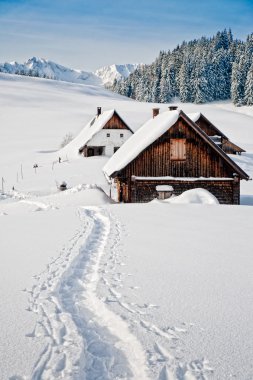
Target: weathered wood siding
pixel 201 161
pixel 227 146
pixel 207 127
pixel 115 123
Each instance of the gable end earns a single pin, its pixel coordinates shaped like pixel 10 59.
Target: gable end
pixel 116 122
pixel 203 158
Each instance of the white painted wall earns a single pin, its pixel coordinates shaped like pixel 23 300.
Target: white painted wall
pixel 101 139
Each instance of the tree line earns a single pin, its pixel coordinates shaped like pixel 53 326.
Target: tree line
pixel 199 71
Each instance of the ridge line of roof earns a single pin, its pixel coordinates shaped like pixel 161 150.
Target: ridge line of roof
pixel 217 129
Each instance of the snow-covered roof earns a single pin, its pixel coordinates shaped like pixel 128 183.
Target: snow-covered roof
pixel 194 116
pixel 197 115
pixel 150 132
pixel 91 129
pixel 94 126
pixel 140 140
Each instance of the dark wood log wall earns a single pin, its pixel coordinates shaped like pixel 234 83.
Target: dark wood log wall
pixel 227 192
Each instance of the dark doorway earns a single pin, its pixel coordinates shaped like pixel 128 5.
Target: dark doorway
pixel 90 152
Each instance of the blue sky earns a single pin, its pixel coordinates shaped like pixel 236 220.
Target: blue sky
pixel 88 34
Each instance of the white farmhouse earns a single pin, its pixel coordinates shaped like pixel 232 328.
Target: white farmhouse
pixel 104 134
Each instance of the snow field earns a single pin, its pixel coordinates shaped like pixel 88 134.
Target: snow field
pixel 27 245
pixel 183 292
pixel 159 291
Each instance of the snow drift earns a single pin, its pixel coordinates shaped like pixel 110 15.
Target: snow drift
pixel 199 196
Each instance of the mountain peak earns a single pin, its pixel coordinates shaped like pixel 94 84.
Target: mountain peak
pixel 36 60
pixel 43 68
pixel 115 71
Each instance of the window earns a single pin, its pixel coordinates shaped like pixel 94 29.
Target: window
pixel 178 149
pixel 116 148
pixel 108 135
pixel 121 135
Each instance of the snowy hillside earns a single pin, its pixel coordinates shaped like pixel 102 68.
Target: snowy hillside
pixel 43 68
pixel 90 289
pixel 109 73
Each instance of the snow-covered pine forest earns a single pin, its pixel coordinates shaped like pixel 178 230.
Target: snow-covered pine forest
pixel 198 71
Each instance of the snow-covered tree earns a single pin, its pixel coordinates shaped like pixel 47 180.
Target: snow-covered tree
pixel 199 71
pixel 248 97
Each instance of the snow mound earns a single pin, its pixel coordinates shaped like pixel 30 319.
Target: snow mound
pixel 198 196
pixel 3 196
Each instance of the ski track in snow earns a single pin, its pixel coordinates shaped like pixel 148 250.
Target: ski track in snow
pixel 163 363
pixel 84 339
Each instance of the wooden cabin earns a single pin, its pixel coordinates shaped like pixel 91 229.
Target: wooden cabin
pixel 215 134
pixel 170 149
pixel 104 135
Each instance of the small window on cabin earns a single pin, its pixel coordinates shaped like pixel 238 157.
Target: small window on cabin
pixel 178 149
pixel 121 135
pixel 108 135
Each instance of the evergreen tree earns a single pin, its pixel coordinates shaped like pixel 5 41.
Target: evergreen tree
pixel 185 90
pixel 249 87
pixel 201 89
pixel 202 70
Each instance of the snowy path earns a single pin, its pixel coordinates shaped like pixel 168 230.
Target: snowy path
pixel 85 340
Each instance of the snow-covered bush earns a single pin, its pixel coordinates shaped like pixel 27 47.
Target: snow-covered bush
pixel 67 138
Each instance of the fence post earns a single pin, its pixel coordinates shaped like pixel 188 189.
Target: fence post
pixel 2 185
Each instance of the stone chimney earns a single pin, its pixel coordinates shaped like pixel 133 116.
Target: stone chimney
pixel 173 108
pixel 99 111
pixel 155 112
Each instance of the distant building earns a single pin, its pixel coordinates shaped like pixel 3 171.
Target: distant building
pixel 215 134
pixel 171 149
pixel 104 135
